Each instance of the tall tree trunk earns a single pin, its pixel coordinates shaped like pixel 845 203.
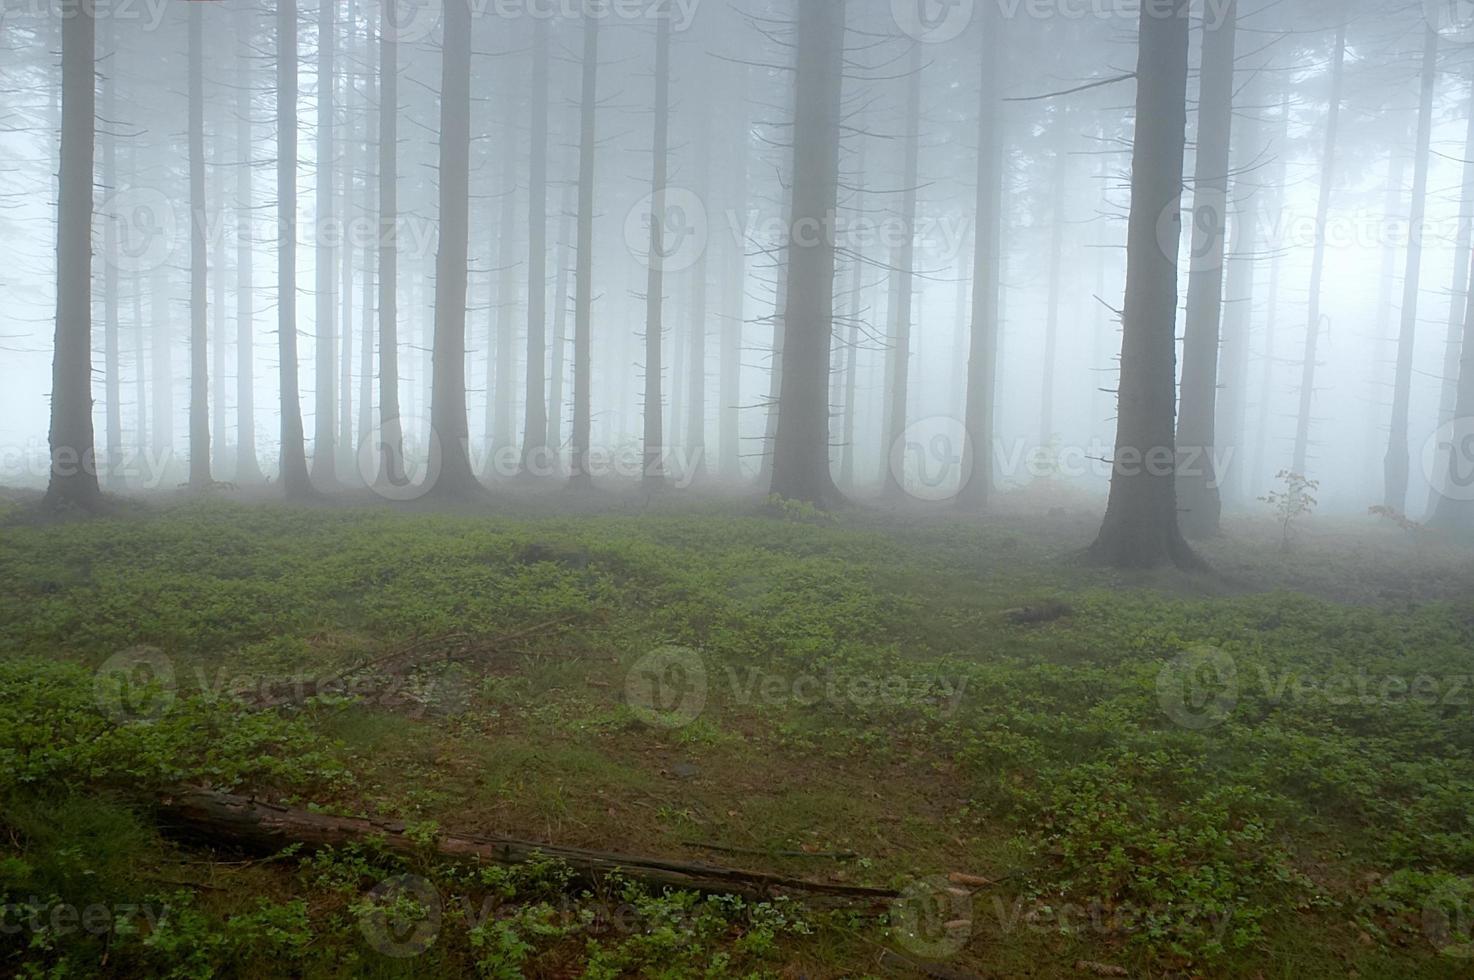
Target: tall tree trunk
pixel 734 317
pixel 982 360
pixel 1397 464
pixel 220 460
pixel 1453 512
pixel 391 431
pixel 1060 189
pixel 560 324
pixel 344 442
pixel 294 476
pixel 852 345
pixel 501 387
pixel 581 476
pixel 199 364
pixel 696 368
pixel 1140 528
pixel 73 478
pixel 161 348
pixel 1272 301
pixel 113 472
pixel 904 276
pixel 653 471
pixel 324 449
pixel 801 445
pixel 450 461
pixel 1300 459
pixel 247 469
pixel 1198 495
pixel 1463 249
pixel 536 454
pixel 366 303
pixel 1238 309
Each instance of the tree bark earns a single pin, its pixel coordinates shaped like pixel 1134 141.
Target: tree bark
pixel 982 361
pixel 734 318
pixel 1300 460
pixel 580 475
pixel 324 441
pixel 560 325
pixel 1140 528
pixel 801 445
pixel 73 479
pixel 391 431
pixel 536 452
pixel 653 470
pixel 113 472
pixel 247 468
pixel 1397 466
pixel 696 366
pixel 199 364
pixel 450 461
pixel 904 279
pixel 296 482
pixel 1199 497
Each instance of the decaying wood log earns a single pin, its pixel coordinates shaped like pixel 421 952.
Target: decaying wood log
pixel 222 818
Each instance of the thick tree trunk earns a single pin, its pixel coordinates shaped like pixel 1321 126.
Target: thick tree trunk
pixel 653 471
pixel 982 360
pixel 1140 528
pixel 450 443
pixel 294 476
pixel 581 476
pixel 560 324
pixel 1459 293
pixel 1198 494
pixel 801 445
pixel 73 478
pixel 324 441
pixel 391 431
pixel 734 317
pixel 199 364
pixel 113 476
pixel 1300 460
pixel 247 469
pixel 1397 465
pixel 536 452
pixel 904 278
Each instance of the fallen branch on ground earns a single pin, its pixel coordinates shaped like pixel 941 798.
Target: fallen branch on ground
pixel 223 818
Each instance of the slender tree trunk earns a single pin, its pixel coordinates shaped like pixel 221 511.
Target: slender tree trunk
pixel 391 432
pixel 1449 392
pixel 199 364
pixel 247 469
pixel 1272 301
pixel 450 461
pixel 904 276
pixel 113 473
pixel 324 450
pixel 584 279
pixel 73 479
pixel 220 340
pixel 161 346
pixel 801 447
pixel 1140 528
pixel 1199 498
pixel 653 471
pixel 1453 511
pixel 1397 465
pixel 536 453
pixel 1060 189
pixel 852 345
pixel 294 476
pixel 560 324
pixel 1300 459
pixel 982 362
pixel 344 442
pixel 696 369
pixel 370 256
pixel 501 385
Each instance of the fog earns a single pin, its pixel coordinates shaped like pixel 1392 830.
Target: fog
pixel 1065 116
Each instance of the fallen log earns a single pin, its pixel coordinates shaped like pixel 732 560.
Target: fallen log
pixel 248 823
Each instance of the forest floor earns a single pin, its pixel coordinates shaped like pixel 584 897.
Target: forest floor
pixel 1267 771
